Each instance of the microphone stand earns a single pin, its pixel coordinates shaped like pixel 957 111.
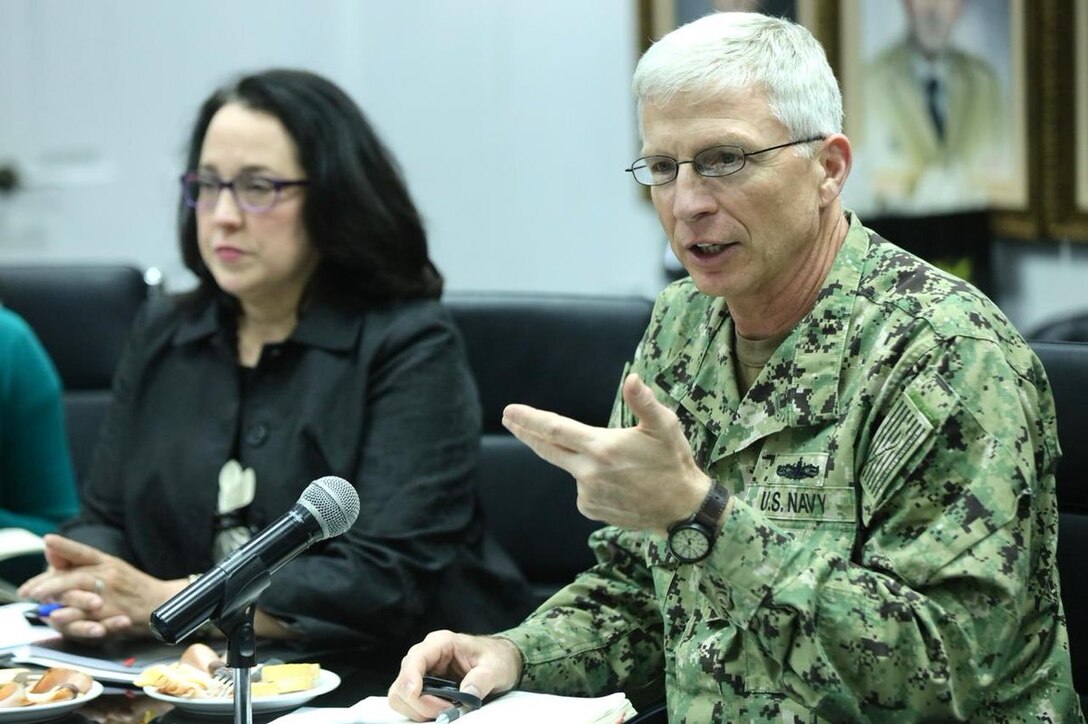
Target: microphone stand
pixel 237 626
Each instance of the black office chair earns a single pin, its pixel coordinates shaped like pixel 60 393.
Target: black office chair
pixel 1066 365
pixel 560 353
pixel 81 314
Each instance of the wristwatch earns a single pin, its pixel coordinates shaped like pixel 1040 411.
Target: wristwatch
pixel 691 539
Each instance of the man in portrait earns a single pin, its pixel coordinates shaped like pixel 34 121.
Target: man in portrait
pixel 934 117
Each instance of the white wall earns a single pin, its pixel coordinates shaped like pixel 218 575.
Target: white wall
pixel 512 119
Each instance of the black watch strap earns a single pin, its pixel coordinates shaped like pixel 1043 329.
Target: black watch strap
pixel 713 505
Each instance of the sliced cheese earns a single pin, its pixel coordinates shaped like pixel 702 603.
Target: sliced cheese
pixel 263 688
pixel 291 677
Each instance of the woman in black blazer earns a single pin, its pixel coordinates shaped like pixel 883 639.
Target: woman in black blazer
pixel 314 344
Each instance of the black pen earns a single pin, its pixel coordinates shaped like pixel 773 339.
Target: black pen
pixel 464 702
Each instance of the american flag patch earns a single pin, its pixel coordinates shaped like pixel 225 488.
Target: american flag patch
pixel 903 431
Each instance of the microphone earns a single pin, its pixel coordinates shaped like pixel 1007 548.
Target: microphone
pixel 327 508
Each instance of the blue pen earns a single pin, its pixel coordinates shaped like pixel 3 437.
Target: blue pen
pixel 36 616
pixel 44 609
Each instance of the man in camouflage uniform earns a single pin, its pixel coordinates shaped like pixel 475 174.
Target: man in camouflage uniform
pixel 830 471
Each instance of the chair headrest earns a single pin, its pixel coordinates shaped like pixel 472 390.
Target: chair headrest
pixel 549 351
pixel 81 314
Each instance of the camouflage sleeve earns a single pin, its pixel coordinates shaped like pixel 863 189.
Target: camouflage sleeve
pixel 601 633
pixel 942 605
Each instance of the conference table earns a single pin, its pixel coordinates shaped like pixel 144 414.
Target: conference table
pixel 130 708
pixel 140 709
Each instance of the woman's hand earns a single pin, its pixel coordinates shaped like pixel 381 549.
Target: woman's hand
pixel 101 594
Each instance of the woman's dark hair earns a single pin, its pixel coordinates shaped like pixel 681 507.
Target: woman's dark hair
pixel 357 211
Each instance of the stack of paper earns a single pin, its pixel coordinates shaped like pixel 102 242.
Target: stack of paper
pixel 522 707
pixel 115 662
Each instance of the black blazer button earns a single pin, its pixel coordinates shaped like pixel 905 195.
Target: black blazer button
pixel 256 434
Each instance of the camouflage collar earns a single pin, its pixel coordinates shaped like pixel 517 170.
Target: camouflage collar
pixel 799 385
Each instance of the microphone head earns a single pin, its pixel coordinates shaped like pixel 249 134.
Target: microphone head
pixel 333 503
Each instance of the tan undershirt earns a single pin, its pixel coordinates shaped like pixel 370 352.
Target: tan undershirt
pixel 752 355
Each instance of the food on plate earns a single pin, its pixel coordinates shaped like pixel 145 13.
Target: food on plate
pixel 23 687
pixel 58 684
pixel 181 680
pixel 9 675
pixel 203 657
pixel 12 694
pixel 193 676
pixel 286 678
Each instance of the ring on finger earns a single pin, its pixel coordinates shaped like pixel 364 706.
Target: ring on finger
pixel 99 586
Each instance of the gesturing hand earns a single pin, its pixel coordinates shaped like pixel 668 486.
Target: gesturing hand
pixel 642 477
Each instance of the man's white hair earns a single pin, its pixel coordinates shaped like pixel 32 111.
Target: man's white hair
pixel 734 51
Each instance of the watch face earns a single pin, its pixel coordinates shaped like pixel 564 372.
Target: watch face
pixel 689 544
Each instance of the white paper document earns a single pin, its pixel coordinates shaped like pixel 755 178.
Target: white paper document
pixel 16 631
pixel 516 706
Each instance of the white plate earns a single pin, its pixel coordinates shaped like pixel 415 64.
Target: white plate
pixel 45 712
pixel 326 682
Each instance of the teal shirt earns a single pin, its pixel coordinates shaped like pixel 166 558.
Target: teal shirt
pixel 37 485
pixel 891 552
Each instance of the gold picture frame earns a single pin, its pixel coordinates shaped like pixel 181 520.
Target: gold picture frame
pixel 1064 106
pixel 1080 74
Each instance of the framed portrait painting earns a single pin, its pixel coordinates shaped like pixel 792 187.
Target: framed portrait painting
pixel 936 105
